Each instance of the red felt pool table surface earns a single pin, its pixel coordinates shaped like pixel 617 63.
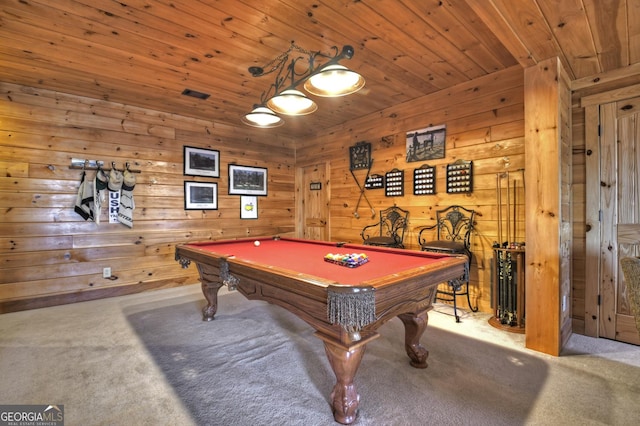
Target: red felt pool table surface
pixel 307 257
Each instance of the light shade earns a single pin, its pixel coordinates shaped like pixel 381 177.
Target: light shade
pixel 292 102
pixel 262 116
pixel 334 80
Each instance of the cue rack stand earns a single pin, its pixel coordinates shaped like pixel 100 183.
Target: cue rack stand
pixel 508 291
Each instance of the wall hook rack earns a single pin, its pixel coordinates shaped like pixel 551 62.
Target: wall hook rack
pixel 81 163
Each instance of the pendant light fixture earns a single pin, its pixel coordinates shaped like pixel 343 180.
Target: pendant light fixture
pixel 329 79
pixel 334 80
pixel 292 102
pixel 261 116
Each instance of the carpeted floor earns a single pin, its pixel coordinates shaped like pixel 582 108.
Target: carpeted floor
pixel 149 359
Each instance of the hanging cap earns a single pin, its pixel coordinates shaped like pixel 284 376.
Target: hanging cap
pixel 115 179
pixel 129 180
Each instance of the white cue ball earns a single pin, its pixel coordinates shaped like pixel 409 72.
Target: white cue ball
pixel 256 243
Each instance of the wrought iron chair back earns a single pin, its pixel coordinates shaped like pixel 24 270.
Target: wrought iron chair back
pixel 390 229
pixel 455 224
pixel 454 227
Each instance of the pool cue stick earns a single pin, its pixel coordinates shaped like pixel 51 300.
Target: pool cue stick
pixel 500 289
pixel 499 196
pixel 515 206
pixel 503 281
pixel 514 292
pixel 355 212
pixel 523 187
pixel 508 213
pixel 373 211
pixel 499 255
pixel 509 288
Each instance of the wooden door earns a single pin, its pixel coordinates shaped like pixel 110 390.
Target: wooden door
pixel 620 213
pixel 314 203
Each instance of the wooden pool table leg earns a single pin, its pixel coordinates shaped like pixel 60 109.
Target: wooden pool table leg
pixel 211 281
pixel 414 327
pixel 344 361
pixel 210 291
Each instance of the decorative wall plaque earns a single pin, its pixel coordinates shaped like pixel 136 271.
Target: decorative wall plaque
pixel 460 177
pixel 394 183
pixel 424 180
pixel 360 156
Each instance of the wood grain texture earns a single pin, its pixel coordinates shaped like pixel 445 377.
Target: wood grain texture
pixel 49 252
pixel 145 54
pixel 484 122
pixel 548 241
pixel 113 69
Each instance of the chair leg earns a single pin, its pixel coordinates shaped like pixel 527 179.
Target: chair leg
pixel 456 290
pixel 473 309
pixel 455 305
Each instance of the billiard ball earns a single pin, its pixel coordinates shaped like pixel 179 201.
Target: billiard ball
pixel 256 243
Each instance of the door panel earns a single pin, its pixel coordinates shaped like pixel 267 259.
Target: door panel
pixel 608 220
pixel 315 203
pixel 620 198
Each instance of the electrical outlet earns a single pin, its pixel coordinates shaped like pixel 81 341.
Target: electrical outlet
pixel 106 272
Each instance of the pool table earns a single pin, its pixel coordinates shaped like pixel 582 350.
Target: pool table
pixel 345 305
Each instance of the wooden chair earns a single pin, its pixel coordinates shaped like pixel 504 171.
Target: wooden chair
pixel 631 270
pixel 389 231
pixel 453 227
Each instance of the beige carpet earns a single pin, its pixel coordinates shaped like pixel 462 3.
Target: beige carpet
pixel 148 359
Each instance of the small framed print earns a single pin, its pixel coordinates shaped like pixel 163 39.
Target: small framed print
pixel 201 162
pixel 248 207
pixel 200 196
pixel 244 180
pixel 426 144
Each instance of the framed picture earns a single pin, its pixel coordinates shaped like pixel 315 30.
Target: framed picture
pixel 244 180
pixel 248 207
pixel 426 144
pixel 201 162
pixel 200 196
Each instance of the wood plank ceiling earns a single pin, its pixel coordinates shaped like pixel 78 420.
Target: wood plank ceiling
pixel 146 52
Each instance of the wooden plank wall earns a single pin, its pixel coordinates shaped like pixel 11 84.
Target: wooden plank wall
pixel 485 123
pixel 41 236
pixel 50 255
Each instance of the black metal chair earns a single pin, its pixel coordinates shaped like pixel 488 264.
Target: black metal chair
pixel 453 229
pixel 389 231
